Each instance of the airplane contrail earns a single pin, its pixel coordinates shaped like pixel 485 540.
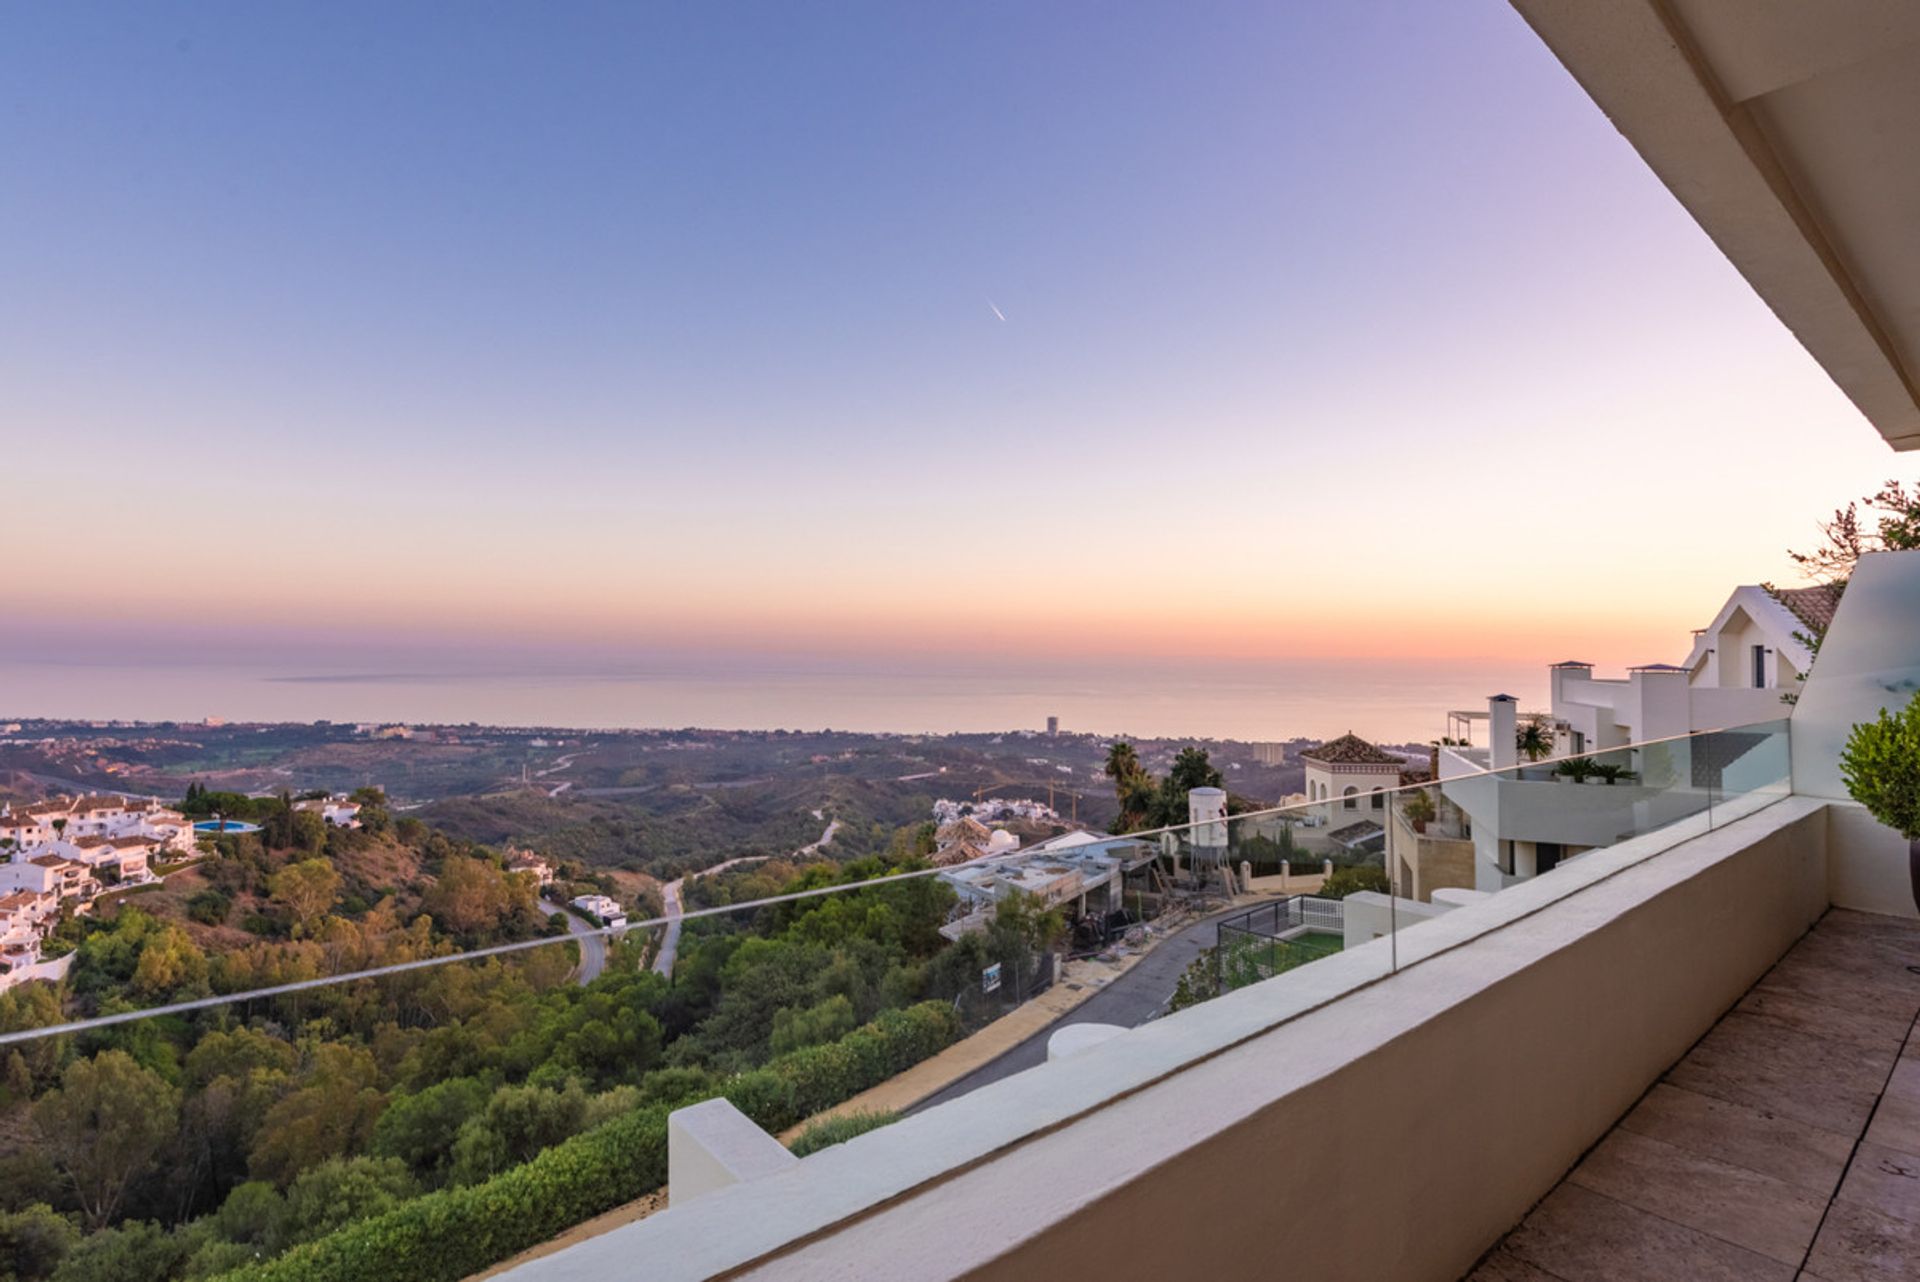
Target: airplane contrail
pixel 997 312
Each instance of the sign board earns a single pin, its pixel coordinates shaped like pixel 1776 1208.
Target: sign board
pixel 990 978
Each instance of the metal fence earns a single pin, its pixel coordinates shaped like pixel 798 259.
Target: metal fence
pixel 1251 946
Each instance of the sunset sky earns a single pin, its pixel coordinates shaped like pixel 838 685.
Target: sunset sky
pixel 585 329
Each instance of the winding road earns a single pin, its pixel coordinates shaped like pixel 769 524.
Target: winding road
pixel 670 897
pixel 593 946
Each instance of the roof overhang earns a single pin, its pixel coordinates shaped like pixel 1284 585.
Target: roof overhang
pixel 1791 132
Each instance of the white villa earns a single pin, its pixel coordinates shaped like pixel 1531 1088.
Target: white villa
pixel 337 811
pixel 1353 772
pixel 1743 669
pixel 527 861
pixel 71 818
pixel 69 850
pixel 603 908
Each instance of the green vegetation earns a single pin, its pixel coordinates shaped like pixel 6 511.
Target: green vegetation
pixel 1244 959
pixel 427 1124
pixel 1342 882
pixel 838 1130
pixel 1881 767
pixel 1534 740
pixel 1147 802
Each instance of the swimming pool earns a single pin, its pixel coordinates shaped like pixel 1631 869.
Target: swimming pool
pixel 225 827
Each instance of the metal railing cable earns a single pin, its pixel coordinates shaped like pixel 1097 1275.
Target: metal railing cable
pixel 494 950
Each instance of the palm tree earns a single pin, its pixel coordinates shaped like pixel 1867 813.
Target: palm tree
pixel 1534 739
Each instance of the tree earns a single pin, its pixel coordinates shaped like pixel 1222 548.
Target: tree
pixel 308 832
pixel 519 1121
pixel 141 1249
pixel 374 816
pixel 1021 930
pixel 474 898
pixel 1192 769
pixel 343 1190
pixel 307 890
pixel 169 962
pixel 420 1129
pixel 826 1021
pixel 1844 541
pixel 1534 740
pixel 330 1114
pixel 103 1127
pixel 1133 787
pixel 33 1241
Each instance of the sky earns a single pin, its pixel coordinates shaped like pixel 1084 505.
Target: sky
pixel 986 332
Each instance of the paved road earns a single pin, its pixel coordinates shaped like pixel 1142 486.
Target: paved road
pixel 593 948
pixel 670 940
pixel 670 898
pixel 1129 1001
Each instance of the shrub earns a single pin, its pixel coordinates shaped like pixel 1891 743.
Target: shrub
pixel 456 1232
pixel 1342 882
pixel 838 1130
pixel 448 1235
pixel 1881 766
pixel 209 908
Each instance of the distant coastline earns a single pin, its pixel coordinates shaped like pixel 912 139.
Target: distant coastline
pixel 1395 702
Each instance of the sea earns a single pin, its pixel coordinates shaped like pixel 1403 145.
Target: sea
pixel 1388 701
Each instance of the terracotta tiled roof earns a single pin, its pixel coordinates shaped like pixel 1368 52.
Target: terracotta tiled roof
pixel 1813 606
pixel 18 899
pixel 88 843
pixel 965 828
pixel 52 861
pixel 87 805
pixel 1351 750
pixel 131 843
pixel 958 852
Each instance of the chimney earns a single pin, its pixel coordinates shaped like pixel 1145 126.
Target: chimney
pixel 1503 723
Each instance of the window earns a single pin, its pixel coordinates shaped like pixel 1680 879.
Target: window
pixel 1379 799
pixel 1759 667
pixel 1348 798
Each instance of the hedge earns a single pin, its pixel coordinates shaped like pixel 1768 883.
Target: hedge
pixel 838 1130
pixel 454 1233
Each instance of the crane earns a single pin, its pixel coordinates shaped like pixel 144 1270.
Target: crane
pixel 1051 788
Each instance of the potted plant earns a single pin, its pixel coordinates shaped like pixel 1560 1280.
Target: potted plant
pixel 1608 773
pixel 1418 809
pixel 1534 741
pixel 1575 769
pixel 1881 767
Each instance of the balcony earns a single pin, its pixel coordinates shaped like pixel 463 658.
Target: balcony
pixel 1448 1076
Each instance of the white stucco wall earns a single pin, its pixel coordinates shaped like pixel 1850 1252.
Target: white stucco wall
pixel 1869 661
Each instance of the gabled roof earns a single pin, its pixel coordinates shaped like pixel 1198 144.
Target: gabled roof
pixel 100 801
pixel 1351 750
pixel 965 828
pixel 958 852
pixel 1773 614
pixel 1813 606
